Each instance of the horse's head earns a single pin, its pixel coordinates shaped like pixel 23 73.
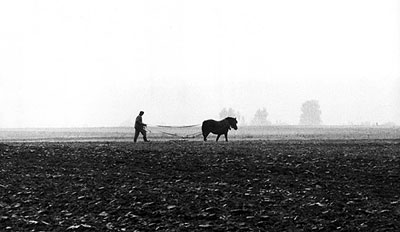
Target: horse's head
pixel 232 122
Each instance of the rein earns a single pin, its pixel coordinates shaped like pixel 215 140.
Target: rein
pixel 178 126
pixel 194 135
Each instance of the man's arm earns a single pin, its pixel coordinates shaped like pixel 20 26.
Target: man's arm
pixel 139 121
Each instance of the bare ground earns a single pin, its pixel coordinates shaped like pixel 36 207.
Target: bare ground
pixel 317 185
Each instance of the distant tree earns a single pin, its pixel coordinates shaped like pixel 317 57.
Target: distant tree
pixel 228 113
pixel 223 113
pixel 232 113
pixel 310 113
pixel 260 118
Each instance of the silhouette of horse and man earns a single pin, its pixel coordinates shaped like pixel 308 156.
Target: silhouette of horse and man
pixel 208 126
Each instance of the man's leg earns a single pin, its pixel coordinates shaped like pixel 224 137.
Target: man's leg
pixel 136 135
pixel 143 131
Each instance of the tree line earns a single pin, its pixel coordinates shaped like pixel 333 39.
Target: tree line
pixel 310 115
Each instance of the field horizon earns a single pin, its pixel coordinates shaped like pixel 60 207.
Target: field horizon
pixel 273 132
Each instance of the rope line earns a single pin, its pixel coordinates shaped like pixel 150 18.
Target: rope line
pixel 183 137
pixel 163 126
pixel 193 135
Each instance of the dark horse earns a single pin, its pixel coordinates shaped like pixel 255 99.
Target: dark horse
pixel 218 127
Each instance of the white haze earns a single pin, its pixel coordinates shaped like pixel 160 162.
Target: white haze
pixel 98 63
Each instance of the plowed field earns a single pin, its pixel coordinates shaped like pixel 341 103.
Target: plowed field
pixel 259 185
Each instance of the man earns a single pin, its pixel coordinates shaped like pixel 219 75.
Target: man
pixel 139 127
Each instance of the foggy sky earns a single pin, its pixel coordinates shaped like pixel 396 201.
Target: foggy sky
pixel 98 63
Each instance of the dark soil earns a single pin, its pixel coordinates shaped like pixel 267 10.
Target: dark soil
pixel 196 186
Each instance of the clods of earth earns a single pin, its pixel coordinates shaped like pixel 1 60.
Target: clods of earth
pixel 201 186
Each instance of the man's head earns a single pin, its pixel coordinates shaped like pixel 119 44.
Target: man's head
pixel 141 113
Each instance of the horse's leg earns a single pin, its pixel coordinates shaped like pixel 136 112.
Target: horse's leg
pixel 205 134
pixel 226 136
pixel 218 137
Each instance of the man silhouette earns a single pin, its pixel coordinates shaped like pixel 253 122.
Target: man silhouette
pixel 139 127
